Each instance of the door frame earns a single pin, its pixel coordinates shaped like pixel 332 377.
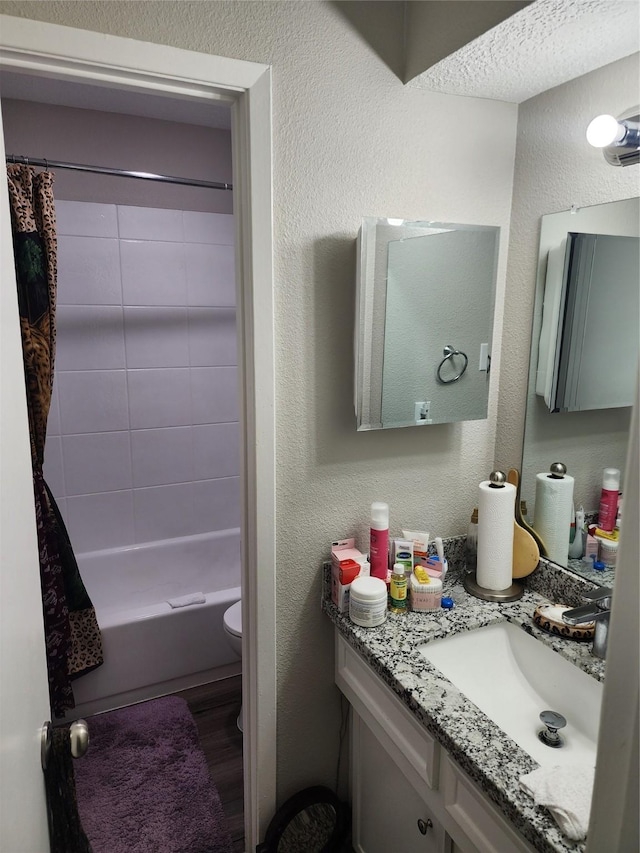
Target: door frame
pixel 42 49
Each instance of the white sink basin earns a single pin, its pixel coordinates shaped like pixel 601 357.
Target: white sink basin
pixel 512 677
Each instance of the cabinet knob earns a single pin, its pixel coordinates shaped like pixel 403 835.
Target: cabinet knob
pixel 424 825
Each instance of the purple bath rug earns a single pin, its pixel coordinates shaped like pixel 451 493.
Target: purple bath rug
pixel 144 784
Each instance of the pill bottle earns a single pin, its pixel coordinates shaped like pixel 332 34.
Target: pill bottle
pixel 368 602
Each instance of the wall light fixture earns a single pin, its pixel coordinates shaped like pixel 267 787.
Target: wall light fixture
pixel 619 138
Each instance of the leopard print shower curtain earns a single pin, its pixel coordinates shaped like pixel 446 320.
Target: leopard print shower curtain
pixel 72 635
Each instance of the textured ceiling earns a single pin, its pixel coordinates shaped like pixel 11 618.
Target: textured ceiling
pixel 542 46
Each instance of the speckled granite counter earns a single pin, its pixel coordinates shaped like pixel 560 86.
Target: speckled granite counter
pixel 491 758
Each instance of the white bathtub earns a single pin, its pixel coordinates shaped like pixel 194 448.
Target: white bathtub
pixel 151 649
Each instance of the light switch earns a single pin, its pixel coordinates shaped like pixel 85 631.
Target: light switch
pixel 484 357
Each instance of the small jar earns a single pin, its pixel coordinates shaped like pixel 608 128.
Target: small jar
pixel 608 552
pixel 425 596
pixel 368 602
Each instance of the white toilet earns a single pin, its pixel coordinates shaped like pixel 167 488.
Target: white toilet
pixel 233 631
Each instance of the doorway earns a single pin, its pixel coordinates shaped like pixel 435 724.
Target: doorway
pixel 245 90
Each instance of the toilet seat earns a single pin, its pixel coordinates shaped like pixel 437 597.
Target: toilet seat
pixel 233 619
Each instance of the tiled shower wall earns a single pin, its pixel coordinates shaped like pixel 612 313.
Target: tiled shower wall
pixel 143 434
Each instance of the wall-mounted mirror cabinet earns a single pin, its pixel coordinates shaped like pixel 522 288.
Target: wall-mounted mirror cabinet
pixel 425 295
pixel 587 307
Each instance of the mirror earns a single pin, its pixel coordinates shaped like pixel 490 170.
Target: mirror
pixel 590 432
pixel 424 319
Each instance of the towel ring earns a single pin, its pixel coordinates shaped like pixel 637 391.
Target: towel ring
pixel 449 352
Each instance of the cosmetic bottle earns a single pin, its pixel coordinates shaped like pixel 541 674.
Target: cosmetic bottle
pixel 608 552
pixel 576 547
pixel 379 542
pixel 609 499
pixel 398 589
pixel 472 542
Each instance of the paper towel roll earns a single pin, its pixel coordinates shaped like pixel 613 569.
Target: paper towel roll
pixel 496 518
pixel 552 515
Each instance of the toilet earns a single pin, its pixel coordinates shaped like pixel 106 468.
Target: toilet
pixel 233 631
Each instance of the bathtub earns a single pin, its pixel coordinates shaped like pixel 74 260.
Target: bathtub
pixel 150 648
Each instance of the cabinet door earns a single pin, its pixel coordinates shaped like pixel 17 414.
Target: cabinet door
pixel 388 813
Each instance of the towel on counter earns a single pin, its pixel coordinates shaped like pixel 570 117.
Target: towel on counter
pixel 186 600
pixel 566 792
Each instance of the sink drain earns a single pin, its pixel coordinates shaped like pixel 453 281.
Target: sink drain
pixel 549 736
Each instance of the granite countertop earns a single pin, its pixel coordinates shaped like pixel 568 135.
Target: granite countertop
pixel 490 757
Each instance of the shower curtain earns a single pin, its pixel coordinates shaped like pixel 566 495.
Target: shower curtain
pixel 72 636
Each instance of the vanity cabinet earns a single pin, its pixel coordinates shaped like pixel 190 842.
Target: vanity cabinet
pixel 389 814
pixel 408 794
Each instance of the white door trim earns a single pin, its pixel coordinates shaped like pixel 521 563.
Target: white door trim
pixel 50 50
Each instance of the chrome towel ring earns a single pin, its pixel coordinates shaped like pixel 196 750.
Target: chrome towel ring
pixel 449 352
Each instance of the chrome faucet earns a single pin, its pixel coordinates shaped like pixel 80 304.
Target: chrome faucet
pixel 598 611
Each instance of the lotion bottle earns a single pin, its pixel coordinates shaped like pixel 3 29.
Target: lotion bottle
pixel 379 541
pixel 609 499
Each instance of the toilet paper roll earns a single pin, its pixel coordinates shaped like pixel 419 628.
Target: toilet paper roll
pixel 496 519
pixel 552 515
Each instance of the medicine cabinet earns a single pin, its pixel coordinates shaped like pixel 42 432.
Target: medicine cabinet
pixel 425 294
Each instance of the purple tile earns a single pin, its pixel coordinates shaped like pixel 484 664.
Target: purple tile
pixel 156 337
pixel 216 451
pixel 149 223
pixel 159 398
pixel 209 228
pixel 212 337
pixel 53 467
pixel 86 219
pixel 210 275
pixel 163 512
pixel 97 462
pixel 100 521
pixel 161 456
pixel 93 401
pixel 88 271
pixel 214 394
pixel 90 337
pixel 217 504
pixel 153 273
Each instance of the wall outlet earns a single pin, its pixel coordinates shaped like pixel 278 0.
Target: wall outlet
pixel 421 412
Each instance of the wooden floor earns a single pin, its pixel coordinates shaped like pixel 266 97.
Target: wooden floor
pixel 215 708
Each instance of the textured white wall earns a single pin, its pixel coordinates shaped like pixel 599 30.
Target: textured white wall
pixel 349 141
pixel 556 168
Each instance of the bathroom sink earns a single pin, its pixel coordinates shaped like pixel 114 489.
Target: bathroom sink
pixel 512 677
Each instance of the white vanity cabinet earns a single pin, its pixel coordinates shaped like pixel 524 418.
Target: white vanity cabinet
pixel 408 794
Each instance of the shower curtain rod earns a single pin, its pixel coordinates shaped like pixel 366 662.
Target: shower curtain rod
pixel 121 173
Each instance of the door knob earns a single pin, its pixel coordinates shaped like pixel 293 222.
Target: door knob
pixel 78 736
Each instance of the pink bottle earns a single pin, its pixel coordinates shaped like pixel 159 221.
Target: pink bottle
pixel 379 544
pixel 609 499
